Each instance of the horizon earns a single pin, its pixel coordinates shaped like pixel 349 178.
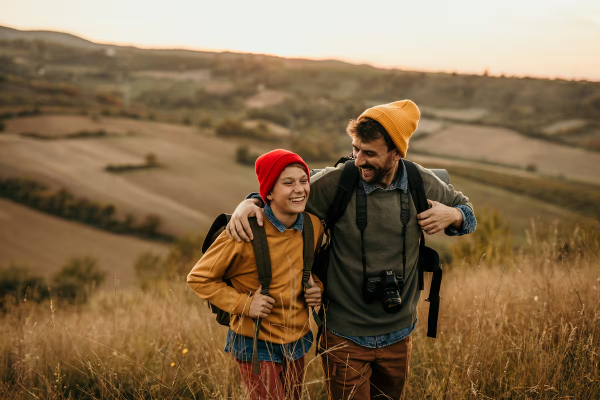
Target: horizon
pixel 548 40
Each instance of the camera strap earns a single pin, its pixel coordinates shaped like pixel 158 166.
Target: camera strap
pixel 361 223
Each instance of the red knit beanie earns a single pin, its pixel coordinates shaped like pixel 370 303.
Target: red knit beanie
pixel 270 165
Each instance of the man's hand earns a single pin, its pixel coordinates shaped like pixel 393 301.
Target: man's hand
pixel 439 217
pixel 261 305
pixel 239 227
pixel 313 294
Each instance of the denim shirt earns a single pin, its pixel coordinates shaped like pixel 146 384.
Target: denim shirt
pixel 279 225
pixel 241 346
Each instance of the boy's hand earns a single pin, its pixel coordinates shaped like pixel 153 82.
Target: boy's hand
pixel 238 227
pixel 261 305
pixel 313 294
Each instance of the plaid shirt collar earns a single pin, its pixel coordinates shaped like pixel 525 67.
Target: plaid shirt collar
pixel 400 182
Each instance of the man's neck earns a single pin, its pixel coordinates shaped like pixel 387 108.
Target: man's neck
pixel 389 177
pixel 286 219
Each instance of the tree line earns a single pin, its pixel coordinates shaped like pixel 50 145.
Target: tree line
pixel 65 204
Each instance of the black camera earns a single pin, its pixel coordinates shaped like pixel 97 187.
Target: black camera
pixel 387 288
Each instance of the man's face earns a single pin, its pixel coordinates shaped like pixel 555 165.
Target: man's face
pixel 373 159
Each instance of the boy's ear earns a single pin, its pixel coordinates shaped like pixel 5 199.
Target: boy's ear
pixel 270 196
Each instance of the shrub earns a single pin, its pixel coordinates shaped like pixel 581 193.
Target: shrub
pixel 273 115
pixel 149 269
pixel 79 277
pixel 152 270
pixel 231 128
pixel 244 156
pixel 151 159
pixel 149 226
pixel 18 283
pixel 205 122
pixel 183 254
pixel 2 126
pixel 531 167
pixel 320 149
pixel 491 242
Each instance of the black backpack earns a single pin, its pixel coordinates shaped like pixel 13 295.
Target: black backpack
pixel 429 260
pixel 263 266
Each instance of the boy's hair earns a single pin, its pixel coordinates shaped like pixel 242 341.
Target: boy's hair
pixel 296 164
pixel 369 130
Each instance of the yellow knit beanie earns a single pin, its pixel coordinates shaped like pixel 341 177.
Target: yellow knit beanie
pixel 400 120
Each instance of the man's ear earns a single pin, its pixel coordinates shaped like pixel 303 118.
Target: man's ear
pixel 397 155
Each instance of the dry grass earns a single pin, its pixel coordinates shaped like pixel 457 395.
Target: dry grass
pixel 523 329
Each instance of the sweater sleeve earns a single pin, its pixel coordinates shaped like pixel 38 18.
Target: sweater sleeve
pixel 206 278
pixel 323 186
pixel 438 190
pixel 319 242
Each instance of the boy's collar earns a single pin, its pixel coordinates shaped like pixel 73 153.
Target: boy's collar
pixel 279 225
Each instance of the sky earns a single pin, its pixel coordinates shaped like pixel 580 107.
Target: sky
pixel 544 38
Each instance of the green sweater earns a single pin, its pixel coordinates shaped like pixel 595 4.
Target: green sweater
pixel 348 313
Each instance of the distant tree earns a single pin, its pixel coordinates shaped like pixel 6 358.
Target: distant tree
pixel 2 126
pixel 78 278
pixel 129 223
pixel 150 225
pixel 149 269
pixel 183 253
pixel 244 156
pixel 151 159
pixel 205 122
pixel 18 283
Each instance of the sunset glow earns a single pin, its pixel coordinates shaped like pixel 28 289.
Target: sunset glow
pixel 550 38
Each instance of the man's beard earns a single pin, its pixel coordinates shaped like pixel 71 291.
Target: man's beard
pixel 378 173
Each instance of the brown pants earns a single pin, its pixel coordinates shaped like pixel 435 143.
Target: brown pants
pixel 360 373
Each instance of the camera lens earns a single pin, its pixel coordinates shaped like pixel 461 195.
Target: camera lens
pixel 391 301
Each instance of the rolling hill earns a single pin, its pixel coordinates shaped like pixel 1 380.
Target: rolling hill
pixel 45 243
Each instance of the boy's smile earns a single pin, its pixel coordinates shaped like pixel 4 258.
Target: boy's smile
pixel 289 194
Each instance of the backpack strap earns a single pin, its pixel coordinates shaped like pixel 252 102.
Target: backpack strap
pixel 429 259
pixel 345 190
pixel 215 230
pixel 263 266
pixel 308 253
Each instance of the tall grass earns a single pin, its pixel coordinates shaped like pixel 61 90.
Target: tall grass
pixel 523 328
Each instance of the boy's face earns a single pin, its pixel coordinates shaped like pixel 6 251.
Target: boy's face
pixel 290 193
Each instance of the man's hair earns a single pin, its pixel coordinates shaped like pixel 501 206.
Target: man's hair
pixel 369 130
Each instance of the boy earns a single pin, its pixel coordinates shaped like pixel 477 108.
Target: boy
pixel 285 335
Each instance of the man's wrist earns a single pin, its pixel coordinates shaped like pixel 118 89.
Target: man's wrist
pixel 458 218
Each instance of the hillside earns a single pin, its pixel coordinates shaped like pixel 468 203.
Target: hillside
pixel 199 178
pixel 45 243
pixel 507 147
pixel 52 71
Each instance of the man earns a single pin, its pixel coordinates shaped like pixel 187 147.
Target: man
pixel 377 345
